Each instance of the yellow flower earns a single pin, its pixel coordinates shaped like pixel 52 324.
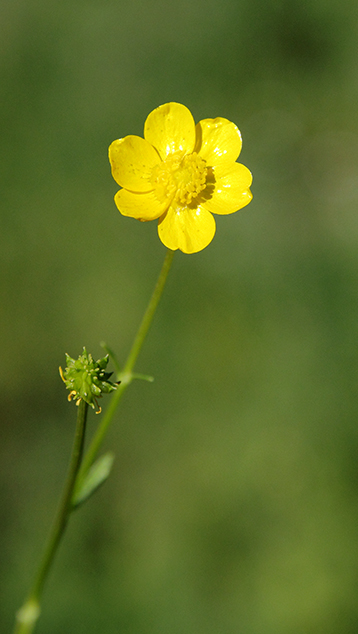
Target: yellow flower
pixel 181 174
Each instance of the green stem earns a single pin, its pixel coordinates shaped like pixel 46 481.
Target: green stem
pixel 126 375
pixel 28 614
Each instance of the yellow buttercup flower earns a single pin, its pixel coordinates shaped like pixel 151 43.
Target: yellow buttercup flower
pixel 181 174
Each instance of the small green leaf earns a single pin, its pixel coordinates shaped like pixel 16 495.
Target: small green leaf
pixel 144 377
pixel 95 476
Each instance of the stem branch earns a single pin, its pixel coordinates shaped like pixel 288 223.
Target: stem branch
pixel 28 614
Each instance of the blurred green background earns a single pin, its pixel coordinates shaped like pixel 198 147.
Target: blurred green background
pixel 233 504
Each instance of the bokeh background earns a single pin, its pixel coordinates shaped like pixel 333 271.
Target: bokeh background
pixel 233 503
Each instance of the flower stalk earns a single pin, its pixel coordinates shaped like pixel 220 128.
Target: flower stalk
pixel 126 375
pixel 28 614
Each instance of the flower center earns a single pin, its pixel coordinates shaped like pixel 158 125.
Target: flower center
pixel 180 178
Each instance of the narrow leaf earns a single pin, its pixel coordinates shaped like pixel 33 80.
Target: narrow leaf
pixel 95 476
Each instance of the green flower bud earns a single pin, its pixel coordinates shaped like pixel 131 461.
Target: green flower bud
pixel 86 379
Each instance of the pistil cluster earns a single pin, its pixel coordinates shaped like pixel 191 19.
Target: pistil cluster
pixel 86 379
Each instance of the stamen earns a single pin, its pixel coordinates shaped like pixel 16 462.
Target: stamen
pixel 192 178
pixel 180 178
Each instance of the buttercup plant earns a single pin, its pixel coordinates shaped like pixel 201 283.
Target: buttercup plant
pixel 179 173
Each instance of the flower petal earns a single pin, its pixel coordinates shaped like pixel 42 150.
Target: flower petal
pixel 132 160
pixel 170 128
pixel 231 191
pixel 189 230
pixel 218 141
pixel 142 205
